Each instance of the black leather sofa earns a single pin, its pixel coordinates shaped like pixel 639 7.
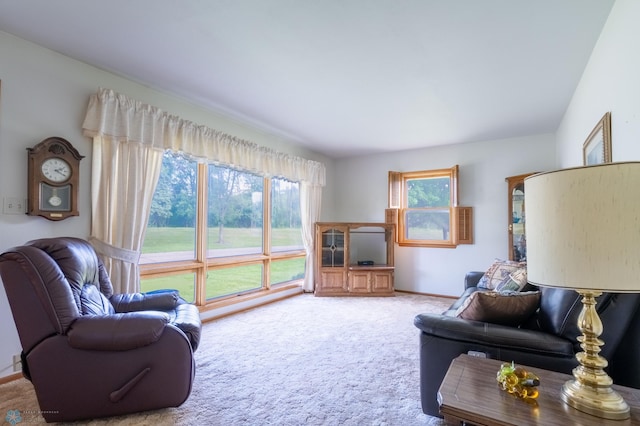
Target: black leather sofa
pixel 546 340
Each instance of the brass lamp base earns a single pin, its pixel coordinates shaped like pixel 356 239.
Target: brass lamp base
pixel 591 391
pixel 605 403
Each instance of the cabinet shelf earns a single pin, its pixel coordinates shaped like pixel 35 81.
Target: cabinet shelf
pixel 356 267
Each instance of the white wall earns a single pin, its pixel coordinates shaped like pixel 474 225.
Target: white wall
pixel 45 94
pixel 361 196
pixel 610 82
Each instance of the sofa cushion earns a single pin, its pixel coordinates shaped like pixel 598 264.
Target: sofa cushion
pixel 498 272
pixel 499 308
pixel 515 281
pixel 460 301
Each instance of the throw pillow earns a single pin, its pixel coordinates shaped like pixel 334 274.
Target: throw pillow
pixel 499 308
pixel 498 272
pixel 516 281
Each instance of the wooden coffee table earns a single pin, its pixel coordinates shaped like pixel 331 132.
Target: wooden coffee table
pixel 470 393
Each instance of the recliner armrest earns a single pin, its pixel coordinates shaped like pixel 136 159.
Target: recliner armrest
pixel 118 332
pixel 133 302
pixel 487 334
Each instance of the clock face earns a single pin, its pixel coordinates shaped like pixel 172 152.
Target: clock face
pixel 56 170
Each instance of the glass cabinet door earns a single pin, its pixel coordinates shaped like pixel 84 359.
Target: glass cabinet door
pixel 517 218
pixel 333 248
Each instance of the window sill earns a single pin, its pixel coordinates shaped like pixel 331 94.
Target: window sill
pixel 233 304
pixel 431 245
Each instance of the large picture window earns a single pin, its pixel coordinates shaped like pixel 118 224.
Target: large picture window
pixel 216 232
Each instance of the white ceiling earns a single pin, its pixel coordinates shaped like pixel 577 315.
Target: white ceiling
pixel 344 77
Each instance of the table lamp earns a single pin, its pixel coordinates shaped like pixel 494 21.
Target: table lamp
pixel 583 233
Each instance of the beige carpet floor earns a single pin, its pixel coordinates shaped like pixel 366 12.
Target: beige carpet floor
pixel 301 361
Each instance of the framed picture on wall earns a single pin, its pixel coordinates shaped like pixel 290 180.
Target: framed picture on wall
pixel 597 148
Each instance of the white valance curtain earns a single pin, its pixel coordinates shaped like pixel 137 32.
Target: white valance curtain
pixel 113 115
pixel 129 138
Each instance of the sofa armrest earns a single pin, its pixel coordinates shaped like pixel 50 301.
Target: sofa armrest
pixel 158 301
pixel 118 332
pixel 472 278
pixel 499 336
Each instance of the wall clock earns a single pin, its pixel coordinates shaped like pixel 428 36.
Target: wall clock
pixel 53 179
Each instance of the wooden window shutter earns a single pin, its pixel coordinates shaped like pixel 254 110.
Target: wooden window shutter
pixel 464 224
pixel 395 189
pixel 391 216
pixel 395 193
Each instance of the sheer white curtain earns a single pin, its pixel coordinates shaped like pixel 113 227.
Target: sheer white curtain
pixel 310 198
pixel 129 138
pixel 124 178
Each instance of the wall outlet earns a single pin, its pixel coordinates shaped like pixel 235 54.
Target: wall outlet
pixel 14 205
pixel 17 363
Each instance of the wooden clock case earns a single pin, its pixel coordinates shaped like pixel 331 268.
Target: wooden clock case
pixel 41 187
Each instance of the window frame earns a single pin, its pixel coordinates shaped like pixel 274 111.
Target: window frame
pixel 398 199
pixel 201 264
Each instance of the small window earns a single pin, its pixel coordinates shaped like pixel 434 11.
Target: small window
pixel 286 224
pixel 427 204
pixel 233 280
pixel 235 220
pixel 184 283
pixel 171 230
pixel 287 270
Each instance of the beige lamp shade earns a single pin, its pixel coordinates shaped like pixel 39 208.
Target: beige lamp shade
pixel 583 227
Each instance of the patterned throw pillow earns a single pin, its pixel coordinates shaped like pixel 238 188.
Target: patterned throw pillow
pixel 498 272
pixel 516 281
pixel 507 309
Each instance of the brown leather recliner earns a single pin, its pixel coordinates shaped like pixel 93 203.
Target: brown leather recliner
pixel 90 353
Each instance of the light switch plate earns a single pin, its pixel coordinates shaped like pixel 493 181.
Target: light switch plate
pixel 14 205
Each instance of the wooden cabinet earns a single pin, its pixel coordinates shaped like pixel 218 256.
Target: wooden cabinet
pixel 516 217
pixel 375 279
pixel 354 259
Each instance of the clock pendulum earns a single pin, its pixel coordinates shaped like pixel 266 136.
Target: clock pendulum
pixel 54 200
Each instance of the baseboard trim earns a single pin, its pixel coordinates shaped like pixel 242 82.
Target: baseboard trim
pixel 10 378
pixel 445 296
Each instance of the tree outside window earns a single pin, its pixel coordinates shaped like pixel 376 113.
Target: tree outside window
pixel 215 231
